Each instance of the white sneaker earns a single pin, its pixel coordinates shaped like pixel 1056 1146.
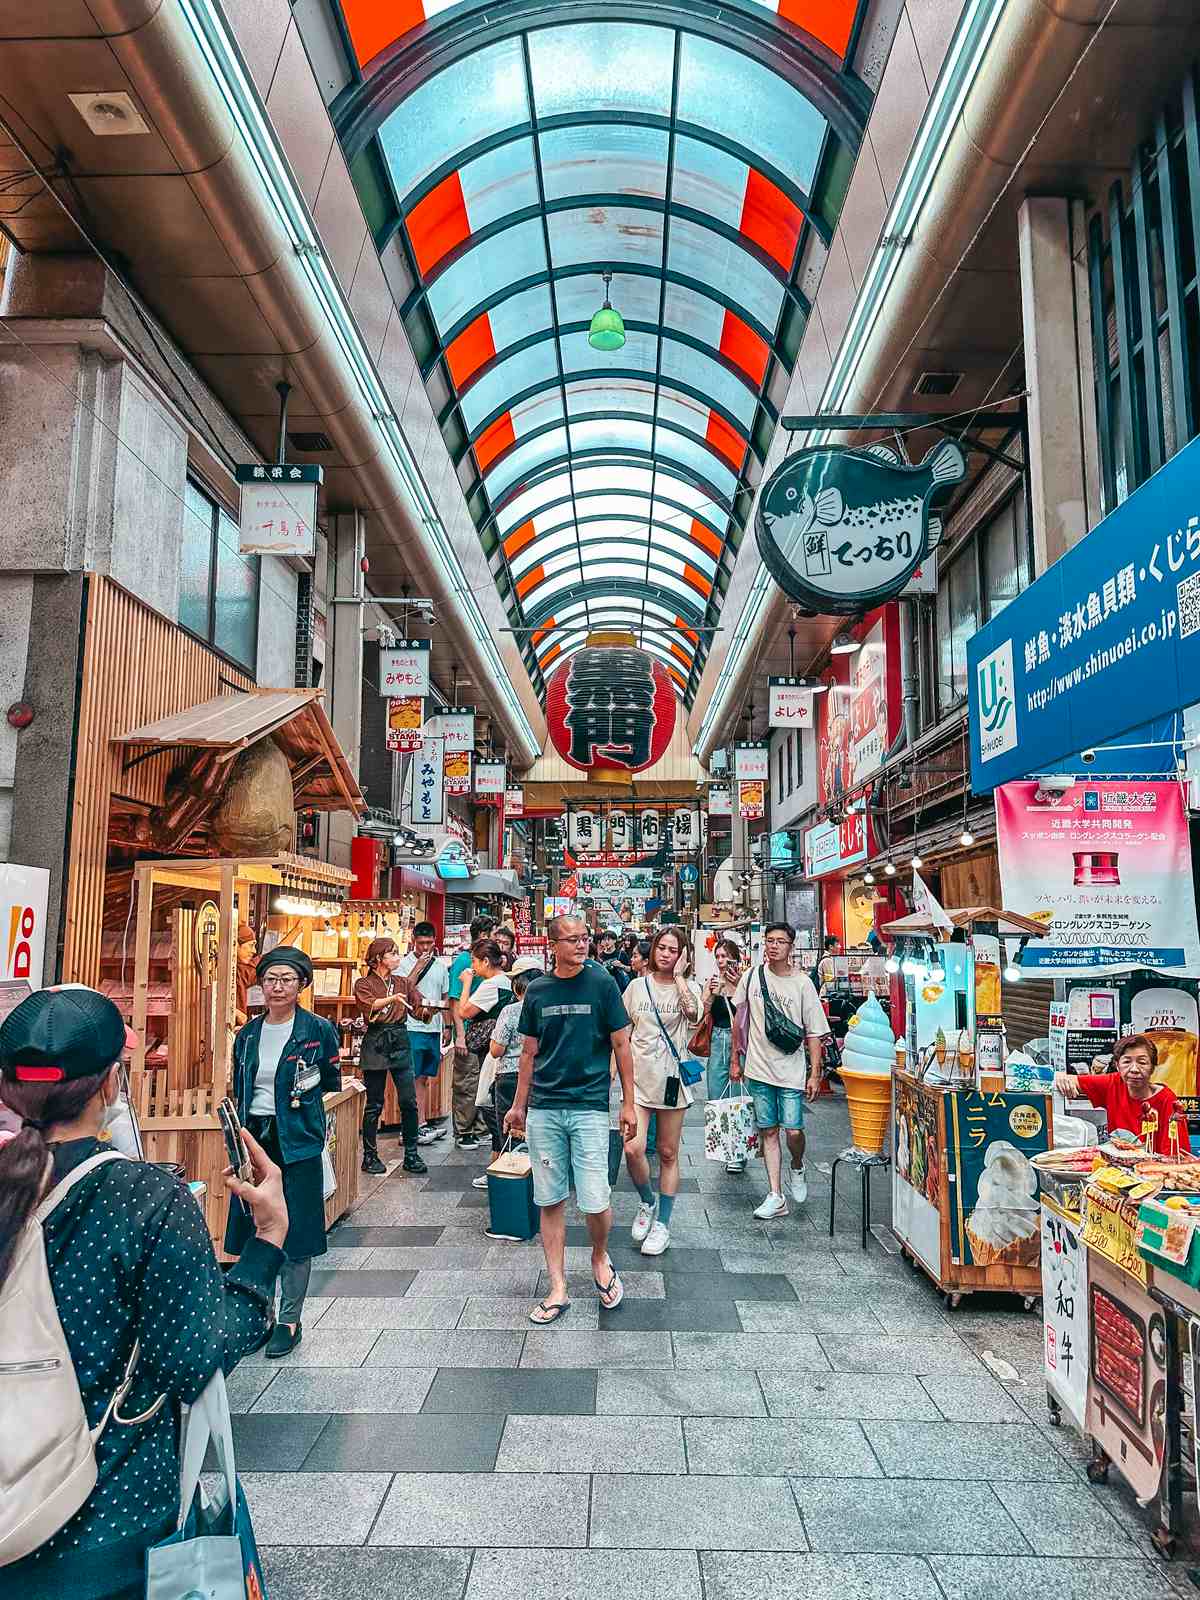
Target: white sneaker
pixel 480 1182
pixel 642 1222
pixel 799 1186
pixel 773 1206
pixel 656 1240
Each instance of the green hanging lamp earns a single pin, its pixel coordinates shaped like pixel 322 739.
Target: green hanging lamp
pixel 607 331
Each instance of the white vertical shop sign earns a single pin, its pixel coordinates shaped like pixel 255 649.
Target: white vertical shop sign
pixel 1065 1313
pixel 24 892
pixel 404 668
pixel 751 763
pixel 490 779
pixel 427 782
pixel 789 703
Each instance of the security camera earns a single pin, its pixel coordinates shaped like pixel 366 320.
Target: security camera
pixel 1056 782
pixel 428 615
pixel 1087 757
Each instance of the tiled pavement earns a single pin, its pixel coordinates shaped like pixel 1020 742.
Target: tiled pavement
pixel 770 1415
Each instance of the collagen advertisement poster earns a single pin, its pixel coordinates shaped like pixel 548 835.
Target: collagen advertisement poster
pixel 1106 868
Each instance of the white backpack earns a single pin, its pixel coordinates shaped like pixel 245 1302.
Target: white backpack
pixel 47 1450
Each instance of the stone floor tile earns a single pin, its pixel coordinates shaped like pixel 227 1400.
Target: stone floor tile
pixel 476 1280
pixel 592 1444
pixel 818 1312
pixel 416 1311
pixel 267 1443
pixel 308 1572
pixel 551 1348
pixel 766 1447
pixel 852 1396
pixel 361 1284
pixel 582 1286
pixel 464 1390
pixel 1062 1520
pixel 631 1511
pixel 770 1351
pixel 666 1393
pixel 323 1347
pixel 245 1383
pixel 512 1311
pixel 353 1389
pixel 329 1508
pixel 994 1451
pixel 339 1259
pixel 569 1574
pixel 672 1316
pixel 814 1577
pixel 460 1348
pixel 914 1517
pixel 315 1308
pixel 423 1443
pixel 973 1578
pixel 898 1353
pixel 971 1397
pixel 486 1508
pixel 382 1235
pixel 439 1257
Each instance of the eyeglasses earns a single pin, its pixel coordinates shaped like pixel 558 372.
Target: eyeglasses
pixel 573 938
pixel 280 980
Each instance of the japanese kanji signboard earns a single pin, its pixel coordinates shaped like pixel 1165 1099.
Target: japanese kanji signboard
pixel 994 1217
pixel 720 801
pixel 1107 867
pixel 752 799
pixel 1065 1312
pixel 789 703
pixel 404 668
pixel 611 706
pixel 278 510
pixel 514 802
pixel 490 779
pixel 751 761
pixel 405 716
pixel 428 800
pixel 843 529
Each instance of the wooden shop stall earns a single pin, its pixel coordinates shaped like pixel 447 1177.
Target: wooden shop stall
pixel 965 1120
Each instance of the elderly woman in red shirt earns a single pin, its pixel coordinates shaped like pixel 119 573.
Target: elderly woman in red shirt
pixel 1129 1096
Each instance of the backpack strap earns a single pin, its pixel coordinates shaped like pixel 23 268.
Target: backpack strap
pixel 61 1189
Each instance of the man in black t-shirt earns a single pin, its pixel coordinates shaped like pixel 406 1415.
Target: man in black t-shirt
pixel 573 1021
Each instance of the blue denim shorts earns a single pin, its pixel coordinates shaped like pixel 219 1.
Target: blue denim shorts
pixel 775 1107
pixel 569 1150
pixel 426 1051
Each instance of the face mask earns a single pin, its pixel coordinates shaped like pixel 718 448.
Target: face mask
pixel 112 1113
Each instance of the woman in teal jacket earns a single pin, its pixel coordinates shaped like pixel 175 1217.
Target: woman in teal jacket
pixel 284 1063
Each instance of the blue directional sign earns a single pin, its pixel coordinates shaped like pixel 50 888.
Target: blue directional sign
pixel 1105 641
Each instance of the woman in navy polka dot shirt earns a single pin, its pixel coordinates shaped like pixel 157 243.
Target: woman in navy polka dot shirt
pixel 129 1258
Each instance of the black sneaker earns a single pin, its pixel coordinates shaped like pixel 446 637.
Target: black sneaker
pixel 412 1162
pixel 468 1142
pixel 374 1166
pixel 283 1340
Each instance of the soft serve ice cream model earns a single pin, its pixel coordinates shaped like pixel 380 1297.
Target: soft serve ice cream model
pixel 869 1046
pixel 1003 1227
pixel 868 1056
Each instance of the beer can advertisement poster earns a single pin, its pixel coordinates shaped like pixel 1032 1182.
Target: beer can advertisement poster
pixel 1106 868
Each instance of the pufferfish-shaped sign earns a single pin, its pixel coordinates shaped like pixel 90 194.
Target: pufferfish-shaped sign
pixel 842 529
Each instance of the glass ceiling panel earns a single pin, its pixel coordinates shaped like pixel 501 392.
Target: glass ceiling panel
pixel 686 365
pixel 694 313
pixel 498 183
pixel 765 114
pixel 489 96
pixel 524 459
pixel 606 234
pixel 604 158
pixel 613 605
pixel 681 411
pixel 709 180
pixel 591 397
pixel 615 434
pixel 623 541
pixel 634 295
pixel 639 351
pixel 518 252
pixel 619 571
pixel 600 66
pixel 700 253
pixel 519 315
pixel 537 364
pixel 536 412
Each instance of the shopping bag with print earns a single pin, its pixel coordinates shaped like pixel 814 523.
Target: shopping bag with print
pixel 730 1131
pixel 212 1555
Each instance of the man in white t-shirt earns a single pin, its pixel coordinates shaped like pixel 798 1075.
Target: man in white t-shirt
pixel 425 1022
pixel 776 1077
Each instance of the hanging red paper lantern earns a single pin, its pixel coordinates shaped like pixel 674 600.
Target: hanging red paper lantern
pixel 611 708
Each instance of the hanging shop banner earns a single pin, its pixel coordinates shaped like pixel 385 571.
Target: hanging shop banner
pixel 611 706
pixel 853 720
pixel 751 800
pixel 994 1215
pixel 751 761
pixel 789 703
pixel 1065 1312
pixel 458 765
pixel 458 729
pixel 1107 639
pixel 831 846
pixel 1107 868
pixel 277 511
pixel 427 796
pixel 491 778
pixel 405 720
pixel 649 831
pixel 404 668
pixel 605 883
pixel 720 801
pixel 514 802
pixel 24 894
pixel 842 529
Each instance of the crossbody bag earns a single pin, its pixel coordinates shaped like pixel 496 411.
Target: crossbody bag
pixel 787 1036
pixel 690 1070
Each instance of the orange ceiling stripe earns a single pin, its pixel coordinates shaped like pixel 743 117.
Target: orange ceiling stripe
pixel 474 347
pixel 542 632
pixel 725 440
pixel 697 580
pixel 495 440
pixel 530 581
pixel 554 650
pixel 689 633
pixel 518 539
pixel 703 535
pixel 677 679
pixel 741 345
pixel 681 653
pixel 374 24
pixel 770 220
pixel 830 21
pixel 439 223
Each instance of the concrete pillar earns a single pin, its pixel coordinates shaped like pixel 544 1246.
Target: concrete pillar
pixel 344 660
pixel 1063 439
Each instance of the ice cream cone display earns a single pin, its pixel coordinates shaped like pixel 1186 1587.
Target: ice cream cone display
pixel 1003 1227
pixel 868 1056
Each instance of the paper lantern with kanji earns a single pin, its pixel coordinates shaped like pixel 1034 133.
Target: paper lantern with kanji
pixel 611 708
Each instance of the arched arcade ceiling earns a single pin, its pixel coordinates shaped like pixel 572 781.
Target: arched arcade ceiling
pixel 508 156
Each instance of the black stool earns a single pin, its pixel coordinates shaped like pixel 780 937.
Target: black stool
pixel 866 1161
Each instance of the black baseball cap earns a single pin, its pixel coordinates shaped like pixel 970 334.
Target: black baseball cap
pixel 57 1035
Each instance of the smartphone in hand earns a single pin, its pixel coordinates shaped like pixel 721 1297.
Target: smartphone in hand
pixel 235 1145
